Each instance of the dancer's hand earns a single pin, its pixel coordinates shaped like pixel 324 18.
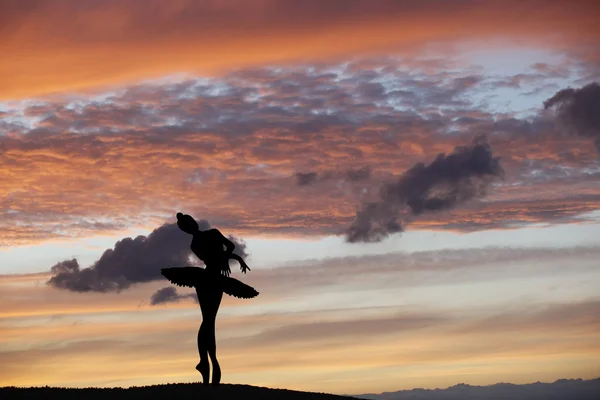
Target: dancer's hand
pixel 244 267
pixel 226 271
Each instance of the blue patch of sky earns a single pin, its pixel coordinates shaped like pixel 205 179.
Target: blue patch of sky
pixel 501 64
pixel 173 121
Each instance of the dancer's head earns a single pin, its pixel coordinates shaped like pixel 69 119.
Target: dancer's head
pixel 186 223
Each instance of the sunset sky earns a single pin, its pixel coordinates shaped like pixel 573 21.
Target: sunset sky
pixel 416 185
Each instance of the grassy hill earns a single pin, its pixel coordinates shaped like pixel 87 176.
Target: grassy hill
pixel 172 391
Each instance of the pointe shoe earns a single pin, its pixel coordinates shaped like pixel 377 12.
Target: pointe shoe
pixel 204 369
pixel 216 380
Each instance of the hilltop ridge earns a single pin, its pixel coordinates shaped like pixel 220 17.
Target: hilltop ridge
pixel 175 391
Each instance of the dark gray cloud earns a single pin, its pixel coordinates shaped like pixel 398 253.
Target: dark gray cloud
pixel 169 295
pixel 445 183
pixel 351 174
pixel 241 249
pixel 578 111
pixel 131 261
pixel 359 174
pixel 306 178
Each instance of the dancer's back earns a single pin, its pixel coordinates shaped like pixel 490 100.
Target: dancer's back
pixel 208 247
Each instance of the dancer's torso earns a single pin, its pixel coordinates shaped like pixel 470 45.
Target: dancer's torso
pixel 208 247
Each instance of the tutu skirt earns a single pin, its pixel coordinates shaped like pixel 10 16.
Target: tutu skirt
pixel 200 279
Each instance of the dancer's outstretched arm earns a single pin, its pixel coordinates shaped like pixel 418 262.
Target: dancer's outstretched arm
pixel 230 247
pixel 243 266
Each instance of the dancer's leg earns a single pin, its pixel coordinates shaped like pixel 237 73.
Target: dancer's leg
pixel 212 339
pixel 203 366
pixel 212 352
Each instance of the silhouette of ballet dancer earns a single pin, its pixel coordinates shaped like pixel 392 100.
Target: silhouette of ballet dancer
pixel 210 284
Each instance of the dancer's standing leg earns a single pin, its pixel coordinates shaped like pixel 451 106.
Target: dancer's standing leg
pixel 216 297
pixel 203 339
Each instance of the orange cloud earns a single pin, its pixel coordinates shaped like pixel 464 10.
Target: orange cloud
pixel 228 150
pixel 62 46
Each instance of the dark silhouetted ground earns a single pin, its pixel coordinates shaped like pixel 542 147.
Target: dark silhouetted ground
pixel 174 391
pixel 567 389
